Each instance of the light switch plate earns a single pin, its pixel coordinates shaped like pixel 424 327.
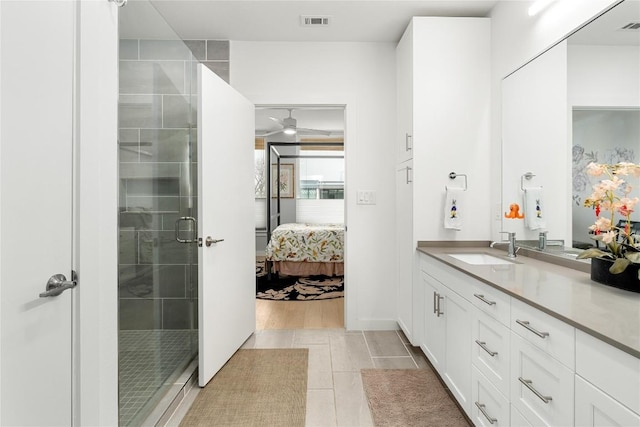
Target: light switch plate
pixel 366 197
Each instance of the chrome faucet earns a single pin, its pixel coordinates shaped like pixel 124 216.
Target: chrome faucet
pixel 542 240
pixel 511 248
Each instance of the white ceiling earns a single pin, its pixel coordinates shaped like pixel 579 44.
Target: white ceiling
pixel 606 30
pixel 279 20
pixel 351 21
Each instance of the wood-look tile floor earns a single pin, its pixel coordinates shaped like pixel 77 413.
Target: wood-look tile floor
pixel 318 314
pixel 335 396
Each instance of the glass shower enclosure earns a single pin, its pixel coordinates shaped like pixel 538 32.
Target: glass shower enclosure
pixel 157 210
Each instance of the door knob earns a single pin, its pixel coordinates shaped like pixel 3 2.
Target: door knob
pixel 210 241
pixel 58 283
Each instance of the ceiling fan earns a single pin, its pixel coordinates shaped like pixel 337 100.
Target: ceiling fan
pixel 290 127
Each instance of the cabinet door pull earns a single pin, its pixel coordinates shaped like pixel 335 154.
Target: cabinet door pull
pixel 484 300
pixel 435 299
pixel 526 325
pixel 407 138
pixel 483 345
pixel 529 385
pixel 481 407
pixel 439 313
pixel 409 175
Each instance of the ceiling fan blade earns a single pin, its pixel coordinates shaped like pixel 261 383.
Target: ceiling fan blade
pixel 314 131
pixel 273 132
pixel 278 121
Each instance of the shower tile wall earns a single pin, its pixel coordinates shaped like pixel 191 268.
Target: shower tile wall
pixel 157 80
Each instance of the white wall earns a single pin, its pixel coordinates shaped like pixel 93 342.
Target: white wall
pixel 517 38
pixel 96 209
pixel 362 77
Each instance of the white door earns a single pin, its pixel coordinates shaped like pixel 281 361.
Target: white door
pixel 36 134
pixel 226 279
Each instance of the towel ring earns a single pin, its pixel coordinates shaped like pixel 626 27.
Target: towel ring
pixel 526 176
pixel 453 175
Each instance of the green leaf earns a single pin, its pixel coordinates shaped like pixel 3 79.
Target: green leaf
pixel 593 253
pixel 634 257
pixel 619 265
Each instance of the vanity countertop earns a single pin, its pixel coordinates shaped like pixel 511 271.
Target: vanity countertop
pixel 610 314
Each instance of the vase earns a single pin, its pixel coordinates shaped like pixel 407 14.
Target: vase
pixel 627 280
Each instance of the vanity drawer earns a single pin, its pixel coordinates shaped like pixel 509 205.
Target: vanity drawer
pixel 490 352
pixel 542 388
pixel 492 301
pixel 621 376
pixel 489 407
pixel 544 331
pixel 517 419
pixel 594 408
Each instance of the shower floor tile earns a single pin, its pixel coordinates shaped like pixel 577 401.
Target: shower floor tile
pixel 150 361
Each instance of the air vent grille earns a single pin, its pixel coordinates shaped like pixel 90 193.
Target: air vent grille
pixel 315 21
pixel 631 26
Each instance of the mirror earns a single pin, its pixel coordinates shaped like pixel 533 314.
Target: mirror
pixel 578 102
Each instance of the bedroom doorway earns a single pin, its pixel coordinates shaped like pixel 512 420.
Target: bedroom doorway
pixel 300 227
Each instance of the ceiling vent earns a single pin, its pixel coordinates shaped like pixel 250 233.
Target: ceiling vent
pixel 631 26
pixel 315 21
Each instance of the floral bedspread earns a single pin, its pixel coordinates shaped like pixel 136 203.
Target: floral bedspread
pixel 307 242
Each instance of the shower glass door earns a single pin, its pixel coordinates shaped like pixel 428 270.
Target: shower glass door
pixel 157 211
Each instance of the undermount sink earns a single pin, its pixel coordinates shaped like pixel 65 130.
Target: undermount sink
pixel 480 259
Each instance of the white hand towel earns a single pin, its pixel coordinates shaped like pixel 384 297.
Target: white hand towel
pixel 453 208
pixel 534 213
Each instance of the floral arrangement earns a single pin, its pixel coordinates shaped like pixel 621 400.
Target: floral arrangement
pixel 610 197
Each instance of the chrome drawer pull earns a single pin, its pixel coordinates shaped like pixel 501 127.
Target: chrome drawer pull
pixel 483 346
pixel 528 384
pixel 484 300
pixel 525 324
pixel 481 406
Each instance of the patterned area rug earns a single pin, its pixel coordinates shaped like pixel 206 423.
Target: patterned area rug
pixel 291 288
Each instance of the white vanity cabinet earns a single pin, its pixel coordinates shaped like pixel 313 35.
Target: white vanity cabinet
pixel 490 349
pixel 595 408
pixel 509 363
pixel 607 384
pixel 442 101
pixel 446 333
pixel 489 407
pixel 541 386
pixel 433 341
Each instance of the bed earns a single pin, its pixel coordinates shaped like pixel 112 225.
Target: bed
pixel 307 249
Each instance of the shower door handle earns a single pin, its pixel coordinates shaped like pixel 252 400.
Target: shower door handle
pixel 58 283
pixel 194 229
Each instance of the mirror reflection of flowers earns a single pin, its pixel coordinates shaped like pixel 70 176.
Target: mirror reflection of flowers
pixel 610 197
